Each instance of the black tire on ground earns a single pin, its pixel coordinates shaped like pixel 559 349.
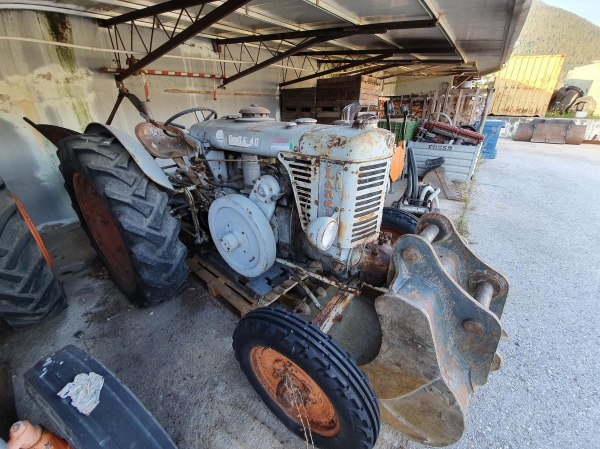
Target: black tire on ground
pixel 278 352
pixel 126 217
pixel 29 293
pixel 398 222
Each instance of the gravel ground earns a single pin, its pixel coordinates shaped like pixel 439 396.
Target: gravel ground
pixel 177 357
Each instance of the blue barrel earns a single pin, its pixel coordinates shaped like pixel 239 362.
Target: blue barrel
pixel 491 131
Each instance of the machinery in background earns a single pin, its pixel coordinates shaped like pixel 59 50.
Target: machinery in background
pixel 446 133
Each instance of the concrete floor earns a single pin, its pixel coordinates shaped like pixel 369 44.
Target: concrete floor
pixel 532 215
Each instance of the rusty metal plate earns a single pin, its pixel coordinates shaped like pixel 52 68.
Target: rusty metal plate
pixel 575 134
pixel 160 145
pixel 549 132
pixel 524 132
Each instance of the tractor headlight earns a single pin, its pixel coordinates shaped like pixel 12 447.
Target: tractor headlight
pixel 322 232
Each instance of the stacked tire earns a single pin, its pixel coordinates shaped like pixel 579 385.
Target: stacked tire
pixel 29 292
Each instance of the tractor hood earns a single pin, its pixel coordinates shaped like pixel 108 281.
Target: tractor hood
pixel 269 138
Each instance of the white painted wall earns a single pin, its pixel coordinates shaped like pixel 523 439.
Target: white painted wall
pixel 63 87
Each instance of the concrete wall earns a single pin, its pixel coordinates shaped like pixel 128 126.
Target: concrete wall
pixel 62 86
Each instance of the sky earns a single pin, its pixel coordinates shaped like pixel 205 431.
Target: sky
pixel 588 9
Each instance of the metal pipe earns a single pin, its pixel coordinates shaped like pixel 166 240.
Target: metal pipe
pixel 434 195
pixel 127 52
pixel 430 233
pixel 484 294
pixel 424 192
pixel 417 210
pixel 317 276
pixel 310 294
pixel 115 107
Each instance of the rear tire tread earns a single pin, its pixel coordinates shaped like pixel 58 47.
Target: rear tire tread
pixel 29 292
pixel 140 211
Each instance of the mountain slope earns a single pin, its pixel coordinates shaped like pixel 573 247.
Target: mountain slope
pixel 549 30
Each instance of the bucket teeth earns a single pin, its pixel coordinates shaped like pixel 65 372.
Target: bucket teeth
pixel 440 332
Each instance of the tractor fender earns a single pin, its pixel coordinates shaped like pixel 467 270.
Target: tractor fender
pixel 139 154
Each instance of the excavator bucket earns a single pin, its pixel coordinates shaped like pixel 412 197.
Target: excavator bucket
pixel 440 327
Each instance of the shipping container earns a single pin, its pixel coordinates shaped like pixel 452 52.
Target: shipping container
pixel 525 84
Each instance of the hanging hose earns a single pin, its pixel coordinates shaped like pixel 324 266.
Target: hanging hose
pixel 424 191
pixel 415 176
pixel 407 195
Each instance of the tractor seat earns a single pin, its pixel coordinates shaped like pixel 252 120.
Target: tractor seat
pixel 160 145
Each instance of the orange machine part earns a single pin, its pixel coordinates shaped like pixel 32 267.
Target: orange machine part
pixel 397 162
pixel 33 230
pixel 24 435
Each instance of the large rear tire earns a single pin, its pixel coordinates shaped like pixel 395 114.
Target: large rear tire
pixel 29 293
pixel 307 381
pixel 126 217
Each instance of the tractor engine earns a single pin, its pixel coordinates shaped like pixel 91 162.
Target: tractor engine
pixel 320 190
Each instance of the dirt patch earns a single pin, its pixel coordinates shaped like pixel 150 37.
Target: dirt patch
pixel 47 76
pixel 60 29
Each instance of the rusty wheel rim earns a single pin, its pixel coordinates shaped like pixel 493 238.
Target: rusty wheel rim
pixel 33 230
pixel 395 233
pixel 294 391
pixel 102 226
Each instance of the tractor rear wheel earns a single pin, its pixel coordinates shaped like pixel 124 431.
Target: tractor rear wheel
pixel 307 381
pixel 29 292
pixel 126 217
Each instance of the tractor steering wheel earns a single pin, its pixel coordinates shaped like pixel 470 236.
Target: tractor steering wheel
pixel 207 114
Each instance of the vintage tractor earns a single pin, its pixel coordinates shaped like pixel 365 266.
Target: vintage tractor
pixel 281 207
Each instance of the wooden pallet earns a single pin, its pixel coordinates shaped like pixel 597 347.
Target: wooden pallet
pixel 221 286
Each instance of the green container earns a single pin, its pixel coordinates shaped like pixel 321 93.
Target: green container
pixel 411 128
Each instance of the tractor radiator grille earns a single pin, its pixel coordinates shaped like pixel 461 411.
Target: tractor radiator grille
pixel 370 195
pixel 304 174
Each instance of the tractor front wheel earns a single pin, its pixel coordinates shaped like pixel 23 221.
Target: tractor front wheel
pixel 306 380
pixel 397 223
pixel 126 217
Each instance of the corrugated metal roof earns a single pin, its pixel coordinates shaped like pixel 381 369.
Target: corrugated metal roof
pixel 482 32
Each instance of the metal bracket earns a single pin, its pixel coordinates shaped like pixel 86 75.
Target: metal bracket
pixel 440 331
